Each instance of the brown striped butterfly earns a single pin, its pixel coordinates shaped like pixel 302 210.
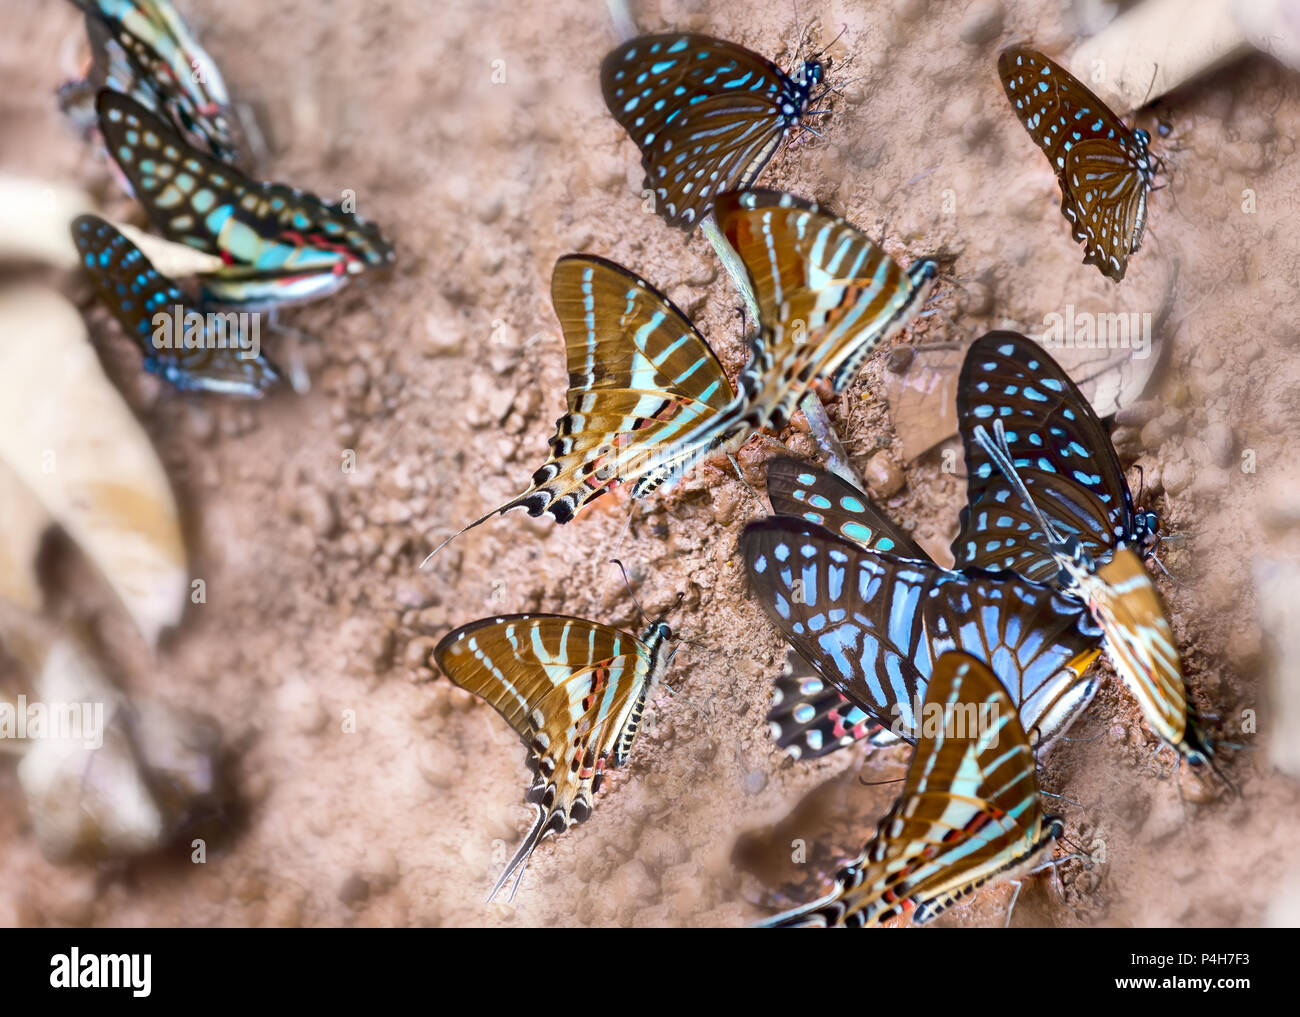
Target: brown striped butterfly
pixel 706 114
pixel 969 812
pixel 640 377
pixel 1104 169
pixel 873 624
pixel 827 296
pixel 573 690
pixel 143 48
pixel 1046 497
pixel 280 244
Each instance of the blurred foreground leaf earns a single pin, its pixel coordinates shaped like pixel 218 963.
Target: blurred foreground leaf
pixel 68 437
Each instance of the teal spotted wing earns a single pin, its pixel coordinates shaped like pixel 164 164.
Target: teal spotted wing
pixel 1062 454
pixel 225 355
pixel 142 48
pixel 280 244
pixel 706 114
pixel 1103 167
pixel 809 717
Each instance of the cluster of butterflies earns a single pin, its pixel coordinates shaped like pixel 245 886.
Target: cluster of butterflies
pixel 158 105
pixel 1048 564
pixel 1049 561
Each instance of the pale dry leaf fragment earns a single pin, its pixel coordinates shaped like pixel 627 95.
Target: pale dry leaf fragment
pixel 68 436
pixel 112 778
pixel 34 220
pixel 168 257
pixel 25 521
pixel 922 397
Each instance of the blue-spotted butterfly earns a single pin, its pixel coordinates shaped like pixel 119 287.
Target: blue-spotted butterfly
pixel 969 812
pixel 1047 498
pixel 827 296
pixel 221 357
pixel 573 690
pixel 280 244
pixel 706 114
pixel 872 624
pixel 1104 169
pixel 142 48
pixel 640 377
pixel 809 717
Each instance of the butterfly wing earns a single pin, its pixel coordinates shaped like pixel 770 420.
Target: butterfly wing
pixel 1103 168
pixel 1060 449
pixel 706 114
pixel 809 717
pixel 872 624
pixel 640 377
pixel 969 810
pixel 144 49
pixel 807 491
pixel 1141 644
pixel 827 295
pixel 570 688
pixel 280 242
pixel 138 294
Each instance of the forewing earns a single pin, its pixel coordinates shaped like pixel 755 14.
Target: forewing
pixel 705 113
pixel 1060 449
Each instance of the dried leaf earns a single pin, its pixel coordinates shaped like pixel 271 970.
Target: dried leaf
pixel 35 218
pixel 123 779
pixel 25 522
pixel 69 437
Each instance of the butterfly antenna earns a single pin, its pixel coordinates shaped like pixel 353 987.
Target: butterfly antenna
pixel 879 783
pixel 1223 776
pixel 1168 575
pixel 1012 906
pixel 1069 801
pixel 481 519
pixel 748 487
pixel 838 35
pixel 997 450
pixel 702 711
pixel 627 525
pixel 626 582
pixel 521 856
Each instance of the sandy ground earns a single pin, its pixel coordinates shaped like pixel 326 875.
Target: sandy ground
pixel 445 378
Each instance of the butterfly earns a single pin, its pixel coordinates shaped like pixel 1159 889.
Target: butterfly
pixel 968 814
pixel 827 296
pixel 706 114
pixel 1046 497
pixel 225 356
pixel 872 624
pixel 640 376
pixel 1104 169
pixel 574 691
pixel 280 244
pixel 809 717
pixel 142 48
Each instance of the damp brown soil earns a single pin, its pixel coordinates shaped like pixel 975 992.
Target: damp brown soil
pixel 445 377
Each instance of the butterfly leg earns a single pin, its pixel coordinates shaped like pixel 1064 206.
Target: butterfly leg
pixel 1012 906
pixel 295 357
pixel 748 487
